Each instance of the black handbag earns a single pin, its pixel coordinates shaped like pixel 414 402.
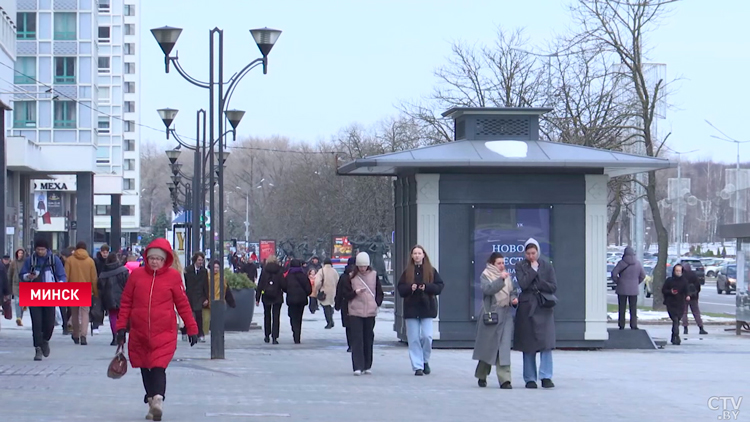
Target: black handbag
pixel 321 294
pixel 546 300
pixel 490 318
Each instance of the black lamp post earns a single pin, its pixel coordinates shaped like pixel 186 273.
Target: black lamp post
pixel 265 39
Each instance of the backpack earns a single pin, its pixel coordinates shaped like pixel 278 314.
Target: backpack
pixel 272 290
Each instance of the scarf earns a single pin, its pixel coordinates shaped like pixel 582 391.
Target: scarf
pixel 503 296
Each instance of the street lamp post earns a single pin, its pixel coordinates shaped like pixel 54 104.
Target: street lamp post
pixel 265 39
pixel 247 215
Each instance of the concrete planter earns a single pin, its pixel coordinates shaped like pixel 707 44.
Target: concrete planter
pixel 240 317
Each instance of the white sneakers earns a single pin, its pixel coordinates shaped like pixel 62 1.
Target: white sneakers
pixel 365 372
pixel 357 373
pixel 368 371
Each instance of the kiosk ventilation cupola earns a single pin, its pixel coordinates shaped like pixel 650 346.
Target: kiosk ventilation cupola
pixel 474 123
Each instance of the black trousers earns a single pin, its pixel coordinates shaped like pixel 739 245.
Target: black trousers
pixel 675 327
pixel 313 305
pixel 271 316
pixel 42 323
pixel 65 313
pixel 328 311
pixel 345 323
pixel 154 381
pixel 198 316
pixel 362 339
pixel 295 319
pixel 622 301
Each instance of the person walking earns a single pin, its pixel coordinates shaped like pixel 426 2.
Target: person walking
pixel 297 288
pixel 627 275
pixel 42 267
pixel 14 275
pixel 311 274
pixel 495 326
pixel 270 292
pixel 341 303
pixel 97 308
pixel 675 292
pixel 325 290
pixel 80 268
pixel 147 309
pixel 196 288
pixel 112 281
pixel 535 324
pixel 364 294
pixel 419 285
pixel 693 290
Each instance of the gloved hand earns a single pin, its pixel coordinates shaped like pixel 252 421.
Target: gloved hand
pixel 121 337
pixel 193 340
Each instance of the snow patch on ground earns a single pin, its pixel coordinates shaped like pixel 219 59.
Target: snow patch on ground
pixel 663 316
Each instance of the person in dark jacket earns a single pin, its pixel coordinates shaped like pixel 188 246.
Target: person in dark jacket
pixel 675 292
pixel 419 285
pixel 196 289
pixel 270 292
pixel 297 288
pixel 628 274
pixel 250 270
pixel 535 325
pixel 694 288
pixel 111 284
pixel 340 302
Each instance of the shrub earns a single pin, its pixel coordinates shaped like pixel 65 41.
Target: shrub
pixel 238 281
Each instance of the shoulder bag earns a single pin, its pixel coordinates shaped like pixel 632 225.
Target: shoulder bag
pixel 489 317
pixel 321 294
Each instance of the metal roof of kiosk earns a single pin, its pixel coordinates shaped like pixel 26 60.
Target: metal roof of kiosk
pixel 493 140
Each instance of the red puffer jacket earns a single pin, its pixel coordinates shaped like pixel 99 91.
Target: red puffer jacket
pixel 148 304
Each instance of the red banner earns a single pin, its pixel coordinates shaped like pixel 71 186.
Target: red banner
pixel 54 294
pixel 267 248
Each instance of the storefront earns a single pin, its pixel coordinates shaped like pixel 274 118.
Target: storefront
pixel 52 200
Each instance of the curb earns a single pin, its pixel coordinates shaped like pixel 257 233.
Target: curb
pixel 706 323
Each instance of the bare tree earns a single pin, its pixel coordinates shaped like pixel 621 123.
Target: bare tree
pixel 621 28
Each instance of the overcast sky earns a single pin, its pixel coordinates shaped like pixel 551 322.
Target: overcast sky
pixel 340 61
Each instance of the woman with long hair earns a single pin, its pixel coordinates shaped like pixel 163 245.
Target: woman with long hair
pixel 297 288
pixel 419 285
pixel 495 326
pixel 147 309
pixel 364 293
pixel 269 291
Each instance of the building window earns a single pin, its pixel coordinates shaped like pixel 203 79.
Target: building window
pixel 65 115
pixel 130 87
pixel 129 29
pixel 129 126
pixel 129 164
pixel 25 70
pixel 103 125
pixel 129 49
pixel 103 95
pixel 129 145
pixel 102 210
pixel 24 114
pixel 26 25
pixel 104 6
pixel 129 68
pixel 129 107
pixel 65 26
pixel 127 210
pixel 129 10
pixel 104 34
pixel 104 64
pixel 65 70
pixel 128 184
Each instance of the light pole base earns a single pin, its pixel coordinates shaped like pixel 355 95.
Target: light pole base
pixel 217 329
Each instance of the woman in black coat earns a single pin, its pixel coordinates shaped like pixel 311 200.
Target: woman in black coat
pixel 297 288
pixel 340 303
pixel 111 284
pixel 675 292
pixel 269 291
pixel 196 289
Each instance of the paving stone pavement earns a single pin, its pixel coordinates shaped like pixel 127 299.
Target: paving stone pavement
pixel 313 381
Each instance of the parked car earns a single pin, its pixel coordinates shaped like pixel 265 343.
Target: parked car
pixel 610 283
pixel 695 264
pixel 648 281
pixel 713 268
pixel 726 280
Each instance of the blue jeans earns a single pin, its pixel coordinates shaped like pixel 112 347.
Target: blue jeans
pixel 419 336
pixel 18 308
pixel 545 365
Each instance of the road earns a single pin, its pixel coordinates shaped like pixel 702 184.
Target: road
pixel 710 301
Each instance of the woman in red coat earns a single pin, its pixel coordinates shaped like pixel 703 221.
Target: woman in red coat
pixel 147 307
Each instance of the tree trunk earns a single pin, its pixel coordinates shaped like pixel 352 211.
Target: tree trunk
pixel 616 213
pixel 662 240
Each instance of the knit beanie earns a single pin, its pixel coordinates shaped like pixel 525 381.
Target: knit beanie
pixel 363 259
pixel 156 252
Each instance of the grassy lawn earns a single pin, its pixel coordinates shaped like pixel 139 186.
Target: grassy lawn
pixel 613 308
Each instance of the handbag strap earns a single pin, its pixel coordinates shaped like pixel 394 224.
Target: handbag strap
pixel 366 286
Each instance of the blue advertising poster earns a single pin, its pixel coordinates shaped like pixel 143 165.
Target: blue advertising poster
pixel 505 230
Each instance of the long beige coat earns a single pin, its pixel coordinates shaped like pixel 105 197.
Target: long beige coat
pixel 327 277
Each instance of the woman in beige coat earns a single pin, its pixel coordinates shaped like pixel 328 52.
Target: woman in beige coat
pixel 325 281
